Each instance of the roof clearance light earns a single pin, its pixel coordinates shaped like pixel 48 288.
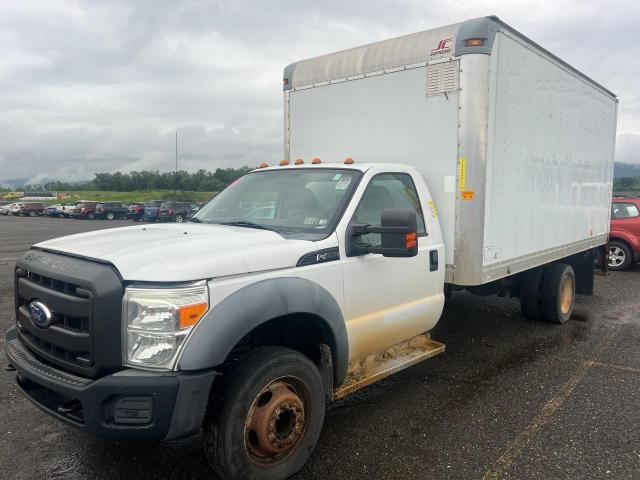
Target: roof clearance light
pixel 284 162
pixel 299 161
pixel 316 161
pixel 263 165
pixel 348 161
pixel 474 42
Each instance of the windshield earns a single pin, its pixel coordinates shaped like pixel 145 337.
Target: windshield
pixel 288 201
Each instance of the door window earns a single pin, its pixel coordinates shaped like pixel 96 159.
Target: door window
pixel 388 190
pixel 624 210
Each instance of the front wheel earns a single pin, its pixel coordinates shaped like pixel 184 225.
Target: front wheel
pixel 179 218
pixel 266 417
pixel 110 216
pixel 619 256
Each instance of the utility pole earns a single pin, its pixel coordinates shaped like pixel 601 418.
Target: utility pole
pixel 175 175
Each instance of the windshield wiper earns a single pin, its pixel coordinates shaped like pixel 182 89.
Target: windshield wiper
pixel 248 224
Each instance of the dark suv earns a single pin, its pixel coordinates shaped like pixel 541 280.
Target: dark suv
pixel 31 209
pixel 111 210
pixel 176 211
pixel 152 210
pixel 84 210
pixel 624 237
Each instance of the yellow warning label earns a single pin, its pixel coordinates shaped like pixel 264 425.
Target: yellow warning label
pixel 467 195
pixel 434 210
pixel 462 174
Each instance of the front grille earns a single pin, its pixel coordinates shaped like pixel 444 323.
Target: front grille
pixel 85 301
pixel 68 337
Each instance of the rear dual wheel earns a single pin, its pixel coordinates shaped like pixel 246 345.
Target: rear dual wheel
pixel 548 293
pixel 265 417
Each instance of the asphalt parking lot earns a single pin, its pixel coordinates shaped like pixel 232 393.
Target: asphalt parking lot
pixel 510 398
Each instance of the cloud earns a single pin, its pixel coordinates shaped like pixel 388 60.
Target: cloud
pixel 103 86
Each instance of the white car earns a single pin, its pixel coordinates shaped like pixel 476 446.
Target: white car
pixel 11 209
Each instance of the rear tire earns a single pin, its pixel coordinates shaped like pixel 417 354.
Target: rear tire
pixel 558 292
pixel 265 416
pixel 110 216
pixel 32 213
pixel 530 296
pixel 179 218
pixel 620 256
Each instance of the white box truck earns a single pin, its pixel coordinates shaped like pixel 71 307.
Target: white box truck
pixel 464 157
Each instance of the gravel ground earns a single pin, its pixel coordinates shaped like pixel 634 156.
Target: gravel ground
pixel 509 399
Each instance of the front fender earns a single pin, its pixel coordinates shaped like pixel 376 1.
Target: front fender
pixel 234 317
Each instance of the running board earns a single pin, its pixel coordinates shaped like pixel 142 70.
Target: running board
pixel 381 364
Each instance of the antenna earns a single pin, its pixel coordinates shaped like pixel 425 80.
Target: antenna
pixel 175 176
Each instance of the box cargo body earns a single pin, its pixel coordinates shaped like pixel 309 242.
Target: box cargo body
pixel 516 146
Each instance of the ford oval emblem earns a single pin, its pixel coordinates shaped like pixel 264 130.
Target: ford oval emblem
pixel 40 314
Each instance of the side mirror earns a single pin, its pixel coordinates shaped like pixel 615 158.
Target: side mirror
pixel 399 234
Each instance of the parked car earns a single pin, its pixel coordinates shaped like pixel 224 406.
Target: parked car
pixel 84 210
pixel 14 208
pixel 624 238
pixel 136 211
pixel 66 208
pixel 176 211
pixel 6 209
pixel 54 210
pixel 31 209
pixel 111 210
pixel 152 210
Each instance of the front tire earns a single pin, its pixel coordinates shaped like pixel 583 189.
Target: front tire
pixel 179 218
pixel 266 416
pixel 620 257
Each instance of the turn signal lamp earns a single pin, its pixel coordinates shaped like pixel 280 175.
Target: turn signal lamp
pixel 348 161
pixel 474 42
pixel 190 314
pixel 284 162
pixel 411 240
pixel 316 161
pixel 299 161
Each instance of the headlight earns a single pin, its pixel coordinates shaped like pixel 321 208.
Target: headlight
pixel 158 321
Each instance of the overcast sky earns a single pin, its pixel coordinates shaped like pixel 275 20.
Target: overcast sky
pixel 102 86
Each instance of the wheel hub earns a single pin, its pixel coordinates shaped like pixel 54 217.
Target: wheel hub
pixel 566 295
pixel 275 422
pixel 616 256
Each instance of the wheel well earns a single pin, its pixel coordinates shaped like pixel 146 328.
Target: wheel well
pixel 621 240
pixel 302 332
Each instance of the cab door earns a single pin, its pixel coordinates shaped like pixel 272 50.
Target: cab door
pixel 389 300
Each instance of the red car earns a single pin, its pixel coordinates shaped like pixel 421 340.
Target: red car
pixel 624 239
pixel 31 209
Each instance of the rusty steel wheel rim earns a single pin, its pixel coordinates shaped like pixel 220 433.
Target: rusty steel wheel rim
pixel 566 295
pixel 276 423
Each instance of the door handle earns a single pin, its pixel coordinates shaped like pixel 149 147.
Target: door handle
pixel 433 260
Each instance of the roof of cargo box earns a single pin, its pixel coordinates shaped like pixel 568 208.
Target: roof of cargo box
pixel 414 49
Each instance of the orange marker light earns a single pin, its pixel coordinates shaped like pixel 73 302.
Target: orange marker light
pixel 263 165
pixel 299 161
pixel 474 42
pixel 316 161
pixel 190 314
pixel 284 162
pixel 411 240
pixel 348 161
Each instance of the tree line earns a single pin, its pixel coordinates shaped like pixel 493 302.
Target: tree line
pixel 200 181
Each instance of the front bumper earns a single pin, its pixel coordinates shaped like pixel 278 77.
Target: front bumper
pixel 129 404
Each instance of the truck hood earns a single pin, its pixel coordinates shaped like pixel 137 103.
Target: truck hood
pixel 182 252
